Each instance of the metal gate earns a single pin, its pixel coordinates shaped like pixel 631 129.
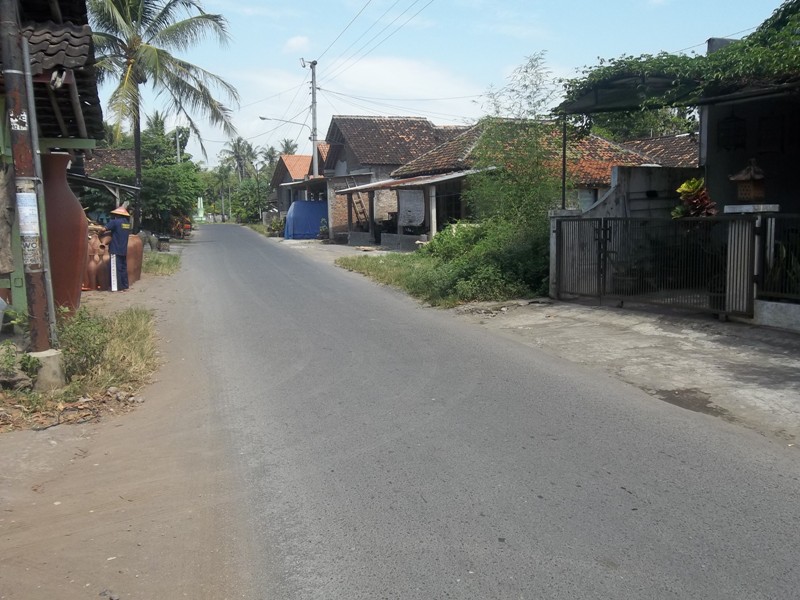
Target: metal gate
pixel 701 264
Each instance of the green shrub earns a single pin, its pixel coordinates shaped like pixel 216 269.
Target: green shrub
pixel 8 358
pixel 83 339
pixel 496 260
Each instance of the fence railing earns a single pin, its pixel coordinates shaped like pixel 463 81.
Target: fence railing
pixel 703 264
pixel 779 258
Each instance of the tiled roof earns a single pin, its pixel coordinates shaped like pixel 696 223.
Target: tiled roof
pixel 453 155
pixel 297 165
pixel 669 151
pixel 59 37
pixel 322 149
pixel 104 157
pixel 383 140
pixel 590 159
pixel 55 45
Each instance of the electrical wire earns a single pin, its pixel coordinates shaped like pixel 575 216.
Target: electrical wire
pixel 344 67
pixel 324 52
pixel 399 99
pixel 749 29
pixel 359 38
pixel 271 97
pixel 406 110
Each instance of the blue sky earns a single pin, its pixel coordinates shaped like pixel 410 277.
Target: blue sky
pixel 431 58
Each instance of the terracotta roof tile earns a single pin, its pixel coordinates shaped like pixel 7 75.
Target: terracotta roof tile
pixel 59 36
pixel 590 159
pixel 384 140
pixel 453 155
pixel 297 165
pixel 669 151
pixel 103 157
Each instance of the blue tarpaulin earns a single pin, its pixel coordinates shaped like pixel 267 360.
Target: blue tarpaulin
pixel 303 218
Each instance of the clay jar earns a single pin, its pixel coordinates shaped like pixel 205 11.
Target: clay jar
pixel 135 256
pixel 90 274
pixel 104 264
pixel 66 232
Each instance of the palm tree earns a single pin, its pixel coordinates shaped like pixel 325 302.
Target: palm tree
pixel 269 155
pixel 240 154
pixel 288 146
pixel 134 39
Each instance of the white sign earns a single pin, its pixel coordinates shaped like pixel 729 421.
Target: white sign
pixel 28 212
pixel 410 208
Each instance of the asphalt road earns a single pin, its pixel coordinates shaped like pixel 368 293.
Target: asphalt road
pixel 380 449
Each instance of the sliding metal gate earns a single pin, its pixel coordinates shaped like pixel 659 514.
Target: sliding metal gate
pixel 701 264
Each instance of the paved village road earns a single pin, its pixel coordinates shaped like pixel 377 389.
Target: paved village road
pixel 385 450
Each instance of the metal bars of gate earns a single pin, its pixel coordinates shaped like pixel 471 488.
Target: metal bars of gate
pixel 701 264
pixel 779 258
pixel 579 260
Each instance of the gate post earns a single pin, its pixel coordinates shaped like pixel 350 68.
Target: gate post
pixel 555 246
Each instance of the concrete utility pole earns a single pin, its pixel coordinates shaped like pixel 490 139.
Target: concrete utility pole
pixel 24 174
pixel 314 158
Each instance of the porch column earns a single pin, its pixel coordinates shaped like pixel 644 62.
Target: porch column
pixel 432 208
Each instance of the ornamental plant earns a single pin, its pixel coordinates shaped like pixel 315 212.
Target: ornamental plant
pixel 695 201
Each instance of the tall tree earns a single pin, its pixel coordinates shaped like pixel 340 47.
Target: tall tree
pixel 134 40
pixel 239 154
pixel 288 146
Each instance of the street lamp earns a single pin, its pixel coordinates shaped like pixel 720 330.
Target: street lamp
pixel 314 160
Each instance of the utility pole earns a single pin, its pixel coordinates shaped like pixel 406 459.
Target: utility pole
pixel 314 158
pixel 26 190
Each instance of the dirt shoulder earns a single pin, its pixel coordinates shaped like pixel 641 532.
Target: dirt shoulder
pixel 135 506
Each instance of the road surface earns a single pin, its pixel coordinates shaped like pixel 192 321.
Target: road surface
pixel 316 436
pixel 390 451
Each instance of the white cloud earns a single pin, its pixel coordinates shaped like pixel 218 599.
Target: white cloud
pixel 296 44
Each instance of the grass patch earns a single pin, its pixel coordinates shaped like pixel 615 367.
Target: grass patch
pixel 258 228
pixel 161 263
pixel 491 261
pixel 101 352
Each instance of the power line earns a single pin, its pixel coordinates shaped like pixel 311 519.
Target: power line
pixel 359 38
pixel 273 96
pixel 345 29
pixel 383 112
pixel 726 36
pixel 400 99
pixel 341 69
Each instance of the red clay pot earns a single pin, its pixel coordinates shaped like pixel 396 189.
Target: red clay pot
pixel 67 231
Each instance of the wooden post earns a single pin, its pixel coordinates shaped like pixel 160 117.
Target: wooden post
pixel 25 188
pixel 432 201
pixel 349 212
pixel 371 196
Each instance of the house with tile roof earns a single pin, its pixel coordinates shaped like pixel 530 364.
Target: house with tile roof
pixel 438 177
pixel 290 168
pixel 364 149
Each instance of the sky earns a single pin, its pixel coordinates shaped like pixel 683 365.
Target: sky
pixel 427 58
